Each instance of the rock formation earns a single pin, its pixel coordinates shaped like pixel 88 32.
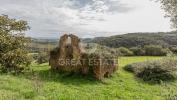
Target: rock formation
pixel 68 57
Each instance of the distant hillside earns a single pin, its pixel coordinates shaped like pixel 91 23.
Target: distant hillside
pixel 43 45
pixel 125 40
pixel 44 41
pixel 137 39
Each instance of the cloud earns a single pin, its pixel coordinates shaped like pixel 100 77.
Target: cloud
pixel 101 5
pixel 48 18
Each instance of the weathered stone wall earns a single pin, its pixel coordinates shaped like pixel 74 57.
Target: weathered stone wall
pixel 100 66
pixel 69 50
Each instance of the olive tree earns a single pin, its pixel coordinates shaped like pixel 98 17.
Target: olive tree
pixel 170 6
pixel 13 54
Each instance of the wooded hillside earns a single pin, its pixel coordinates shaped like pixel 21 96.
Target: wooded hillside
pixel 137 39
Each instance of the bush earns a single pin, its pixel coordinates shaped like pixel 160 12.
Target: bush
pixel 130 67
pixel 155 50
pixel 125 51
pixel 34 56
pixel 42 58
pixel 138 51
pixel 155 71
pixel 174 49
pixel 102 50
pixel 15 61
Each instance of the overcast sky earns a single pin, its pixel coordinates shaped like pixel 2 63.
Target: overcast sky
pixel 87 18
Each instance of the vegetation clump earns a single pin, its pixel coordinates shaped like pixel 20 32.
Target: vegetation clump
pixel 102 50
pixel 13 54
pixel 42 57
pixel 155 71
pixel 125 51
pixel 156 50
pixel 138 51
pixel 170 7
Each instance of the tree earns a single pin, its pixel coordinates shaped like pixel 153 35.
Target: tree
pixel 155 50
pixel 13 53
pixel 125 51
pixel 138 51
pixel 170 6
pixel 174 49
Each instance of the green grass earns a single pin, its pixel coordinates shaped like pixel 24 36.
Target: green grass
pixel 42 84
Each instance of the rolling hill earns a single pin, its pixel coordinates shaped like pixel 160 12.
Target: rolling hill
pixel 137 39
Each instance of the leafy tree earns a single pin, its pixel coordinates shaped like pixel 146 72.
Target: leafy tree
pixel 155 50
pixel 13 53
pixel 174 49
pixel 125 51
pixel 138 51
pixel 170 6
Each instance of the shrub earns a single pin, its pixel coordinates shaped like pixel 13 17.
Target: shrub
pixel 102 50
pixel 129 67
pixel 15 61
pixel 155 50
pixel 42 58
pixel 34 56
pixel 138 51
pixel 155 71
pixel 174 49
pixel 125 51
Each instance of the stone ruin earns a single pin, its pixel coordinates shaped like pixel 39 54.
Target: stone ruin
pixel 70 56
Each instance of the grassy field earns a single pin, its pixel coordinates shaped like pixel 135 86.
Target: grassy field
pixel 42 84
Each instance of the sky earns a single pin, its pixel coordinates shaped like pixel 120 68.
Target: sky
pixel 87 18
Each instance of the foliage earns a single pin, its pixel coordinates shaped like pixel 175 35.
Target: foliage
pixel 170 6
pixel 138 51
pixel 174 49
pixel 43 57
pixel 15 60
pixel 155 50
pixel 13 53
pixel 34 56
pixel 125 51
pixel 104 51
pixel 155 71
pixel 138 39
